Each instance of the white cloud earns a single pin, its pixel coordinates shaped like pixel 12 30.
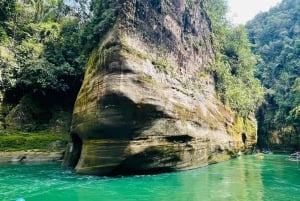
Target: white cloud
pixel 241 11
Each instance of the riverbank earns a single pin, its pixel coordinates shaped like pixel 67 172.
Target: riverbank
pixel 30 156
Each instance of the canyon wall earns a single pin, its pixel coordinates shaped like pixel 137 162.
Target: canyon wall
pixel 148 102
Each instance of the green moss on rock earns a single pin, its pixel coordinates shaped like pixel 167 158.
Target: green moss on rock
pixel 29 141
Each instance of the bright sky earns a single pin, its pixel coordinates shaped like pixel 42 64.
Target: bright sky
pixel 241 11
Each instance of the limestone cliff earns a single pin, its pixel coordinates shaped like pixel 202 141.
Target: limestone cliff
pixel 148 101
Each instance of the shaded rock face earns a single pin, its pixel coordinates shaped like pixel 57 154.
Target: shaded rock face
pixel 148 103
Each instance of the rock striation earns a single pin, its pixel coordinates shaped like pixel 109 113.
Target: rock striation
pixel 148 102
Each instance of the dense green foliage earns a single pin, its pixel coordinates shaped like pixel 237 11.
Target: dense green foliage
pixel 41 69
pixel 235 64
pixel 40 49
pixel 44 44
pixel 42 63
pixel 99 22
pixel 276 38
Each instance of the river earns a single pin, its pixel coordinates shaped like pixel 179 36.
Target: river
pixel 246 178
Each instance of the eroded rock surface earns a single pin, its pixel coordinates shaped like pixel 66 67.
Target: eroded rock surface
pixel 148 101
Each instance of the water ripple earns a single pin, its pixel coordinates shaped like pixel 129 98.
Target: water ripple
pixel 244 179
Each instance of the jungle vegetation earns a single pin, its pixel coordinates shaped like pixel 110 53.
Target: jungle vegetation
pixel 44 45
pixel 275 36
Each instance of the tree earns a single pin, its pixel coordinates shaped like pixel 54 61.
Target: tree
pixel 235 64
pixel 275 37
pixel 45 56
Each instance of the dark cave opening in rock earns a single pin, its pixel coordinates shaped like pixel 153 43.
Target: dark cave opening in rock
pixel 75 150
pixel 244 137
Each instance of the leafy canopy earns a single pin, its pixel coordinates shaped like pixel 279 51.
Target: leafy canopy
pixel 235 64
pixel 276 38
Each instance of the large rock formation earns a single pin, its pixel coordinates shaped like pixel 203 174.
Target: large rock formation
pixel 148 101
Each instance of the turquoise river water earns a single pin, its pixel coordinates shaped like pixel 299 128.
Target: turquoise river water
pixel 247 178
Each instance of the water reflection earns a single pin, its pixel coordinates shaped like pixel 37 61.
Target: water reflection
pixel 232 180
pixel 281 177
pixel 244 179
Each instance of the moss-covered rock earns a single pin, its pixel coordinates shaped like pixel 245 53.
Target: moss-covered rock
pixel 31 114
pixel 41 141
pixel 27 115
pixel 32 125
pixel 144 105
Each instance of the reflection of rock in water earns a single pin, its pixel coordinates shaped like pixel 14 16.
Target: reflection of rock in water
pixel 148 103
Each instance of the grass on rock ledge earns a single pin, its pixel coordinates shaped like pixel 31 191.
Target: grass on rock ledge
pixel 42 141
